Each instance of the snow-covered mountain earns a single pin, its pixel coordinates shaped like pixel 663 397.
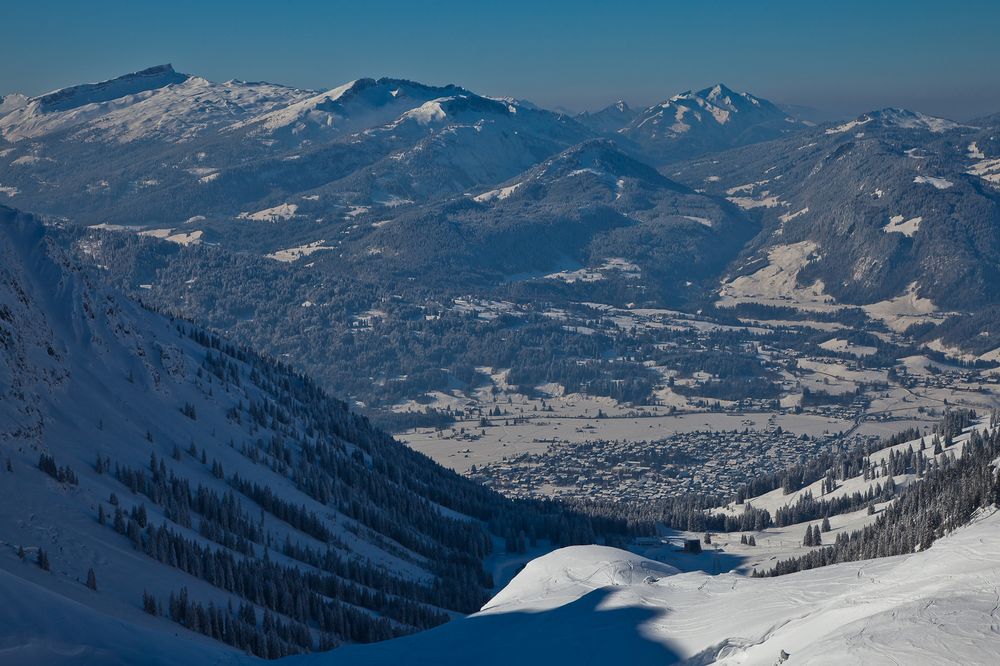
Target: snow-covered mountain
pixel 712 119
pixel 158 148
pixel 150 466
pixel 896 118
pixel 580 209
pixel 889 204
pixel 610 119
pixel 193 161
pixel 352 107
pixel 449 145
pixel 156 103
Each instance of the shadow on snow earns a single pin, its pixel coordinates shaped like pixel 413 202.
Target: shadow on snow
pixel 579 633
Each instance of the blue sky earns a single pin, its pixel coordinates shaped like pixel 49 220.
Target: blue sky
pixel 850 56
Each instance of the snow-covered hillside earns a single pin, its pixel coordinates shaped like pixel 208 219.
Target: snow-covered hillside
pixel 155 103
pixel 600 605
pixel 141 413
pixel 354 106
pixel 580 208
pixel 892 201
pixel 575 606
pixel 447 146
pixel 158 149
pixel 148 466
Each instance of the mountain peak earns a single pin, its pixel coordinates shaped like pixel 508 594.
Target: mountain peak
pixel 892 117
pixel 718 101
pixel 364 102
pixel 908 119
pixel 599 156
pixel 166 68
pixel 610 119
pixel 719 95
pixel 718 91
pixel 713 118
pixel 12 102
pixel 593 146
pixel 133 83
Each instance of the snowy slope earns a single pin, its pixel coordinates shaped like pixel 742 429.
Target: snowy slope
pixel 351 107
pixel 894 117
pixel 891 199
pixel 777 498
pixel 159 149
pixel 44 627
pixel 156 102
pixel 563 576
pixel 447 146
pixel 87 376
pixel 598 605
pixel 934 607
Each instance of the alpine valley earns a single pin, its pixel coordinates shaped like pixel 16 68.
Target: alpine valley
pixel 286 372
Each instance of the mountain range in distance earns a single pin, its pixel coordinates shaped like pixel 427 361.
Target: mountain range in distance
pixel 712 198
pixel 630 356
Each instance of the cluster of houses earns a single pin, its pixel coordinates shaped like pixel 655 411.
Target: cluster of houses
pixel 706 461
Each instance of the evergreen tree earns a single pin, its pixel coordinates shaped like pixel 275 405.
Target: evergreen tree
pixel 149 603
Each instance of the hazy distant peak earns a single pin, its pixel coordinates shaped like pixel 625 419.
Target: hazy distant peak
pixel 897 118
pixel 610 119
pixel 719 97
pixel 620 106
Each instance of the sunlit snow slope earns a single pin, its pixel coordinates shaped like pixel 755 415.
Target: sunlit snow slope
pixel 934 607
